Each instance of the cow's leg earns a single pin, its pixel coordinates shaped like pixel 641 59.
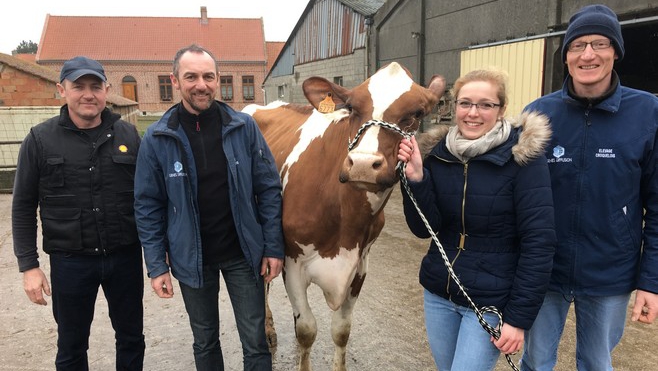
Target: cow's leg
pixel 341 321
pixel 270 331
pixel 306 328
pixel 341 325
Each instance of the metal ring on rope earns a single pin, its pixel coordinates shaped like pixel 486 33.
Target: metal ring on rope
pixel 493 331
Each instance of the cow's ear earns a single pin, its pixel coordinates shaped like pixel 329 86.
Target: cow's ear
pixel 316 90
pixel 437 85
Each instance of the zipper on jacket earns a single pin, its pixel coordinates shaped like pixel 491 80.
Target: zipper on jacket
pixel 459 251
pixel 462 235
pixel 579 191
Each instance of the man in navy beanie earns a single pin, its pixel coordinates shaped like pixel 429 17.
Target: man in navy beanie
pixel 603 159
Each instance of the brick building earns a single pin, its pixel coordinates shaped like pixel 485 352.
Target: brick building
pixel 26 84
pixel 137 53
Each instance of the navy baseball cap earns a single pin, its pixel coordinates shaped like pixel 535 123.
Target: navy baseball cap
pixel 77 67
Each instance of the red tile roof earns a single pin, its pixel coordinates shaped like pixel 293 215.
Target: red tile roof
pixel 151 39
pixel 273 50
pixel 26 57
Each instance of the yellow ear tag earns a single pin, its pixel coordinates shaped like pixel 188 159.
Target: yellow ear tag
pixel 327 105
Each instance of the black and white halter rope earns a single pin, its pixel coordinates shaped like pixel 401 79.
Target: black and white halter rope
pixel 384 124
pixel 401 166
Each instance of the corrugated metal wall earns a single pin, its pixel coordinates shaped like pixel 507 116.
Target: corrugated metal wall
pixel 330 29
pixel 523 61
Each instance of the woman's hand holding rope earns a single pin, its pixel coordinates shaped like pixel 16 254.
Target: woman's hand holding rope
pixel 410 155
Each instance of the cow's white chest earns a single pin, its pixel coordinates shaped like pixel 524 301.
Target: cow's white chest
pixel 334 275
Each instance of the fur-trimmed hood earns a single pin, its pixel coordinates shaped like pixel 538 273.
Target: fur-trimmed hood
pixel 534 134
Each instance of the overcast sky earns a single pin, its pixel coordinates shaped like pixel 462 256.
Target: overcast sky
pixel 24 19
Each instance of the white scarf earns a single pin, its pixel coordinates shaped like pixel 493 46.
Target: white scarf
pixel 465 149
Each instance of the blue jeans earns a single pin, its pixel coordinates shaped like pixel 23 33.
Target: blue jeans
pixel 457 340
pixel 247 294
pixel 600 324
pixel 75 280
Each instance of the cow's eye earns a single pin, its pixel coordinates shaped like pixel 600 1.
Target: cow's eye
pixel 419 114
pixel 346 106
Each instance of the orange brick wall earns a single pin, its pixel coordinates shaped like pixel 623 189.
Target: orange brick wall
pixel 148 89
pixel 18 88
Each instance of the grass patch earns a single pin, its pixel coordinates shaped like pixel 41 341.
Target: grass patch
pixel 143 122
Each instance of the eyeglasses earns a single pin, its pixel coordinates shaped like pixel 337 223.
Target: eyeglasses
pixel 579 46
pixel 482 106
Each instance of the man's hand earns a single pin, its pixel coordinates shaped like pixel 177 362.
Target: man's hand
pixel 270 268
pixel 646 307
pixel 35 285
pixel 162 286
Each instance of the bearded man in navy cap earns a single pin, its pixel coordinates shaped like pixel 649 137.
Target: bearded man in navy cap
pixel 603 160
pixel 78 169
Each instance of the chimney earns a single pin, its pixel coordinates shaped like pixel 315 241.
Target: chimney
pixel 204 15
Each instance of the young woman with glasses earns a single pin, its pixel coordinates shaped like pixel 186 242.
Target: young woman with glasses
pixel 485 190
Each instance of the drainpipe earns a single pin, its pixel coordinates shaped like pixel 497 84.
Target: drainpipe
pixel 368 22
pixel 421 45
pixel 420 39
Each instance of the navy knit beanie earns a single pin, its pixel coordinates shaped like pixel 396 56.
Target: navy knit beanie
pixel 594 20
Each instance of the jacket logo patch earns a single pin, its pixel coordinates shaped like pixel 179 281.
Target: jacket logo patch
pixel 558 152
pixel 178 168
pixel 605 153
pixel 123 148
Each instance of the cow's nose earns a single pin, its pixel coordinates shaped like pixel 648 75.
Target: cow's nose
pixel 363 167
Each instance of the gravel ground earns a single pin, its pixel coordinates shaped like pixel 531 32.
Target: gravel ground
pixel 387 333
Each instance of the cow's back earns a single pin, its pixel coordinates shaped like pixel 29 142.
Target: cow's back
pixel 280 127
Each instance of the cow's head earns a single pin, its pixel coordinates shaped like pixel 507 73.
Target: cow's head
pixel 391 96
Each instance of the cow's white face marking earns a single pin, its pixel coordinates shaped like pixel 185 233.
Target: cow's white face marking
pixel 315 126
pixel 386 86
pixel 368 143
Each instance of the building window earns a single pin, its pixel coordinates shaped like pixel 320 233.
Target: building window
pixel 282 91
pixel 226 87
pixel 248 87
pixel 166 92
pixel 338 80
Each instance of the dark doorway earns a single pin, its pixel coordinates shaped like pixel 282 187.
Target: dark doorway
pixel 639 68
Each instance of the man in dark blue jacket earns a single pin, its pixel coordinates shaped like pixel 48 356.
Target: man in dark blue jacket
pixel 208 200
pixel 78 169
pixel 602 158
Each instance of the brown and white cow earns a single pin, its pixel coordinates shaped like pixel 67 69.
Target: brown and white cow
pixel 333 200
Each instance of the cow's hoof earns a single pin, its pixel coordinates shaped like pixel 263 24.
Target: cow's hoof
pixel 271 339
